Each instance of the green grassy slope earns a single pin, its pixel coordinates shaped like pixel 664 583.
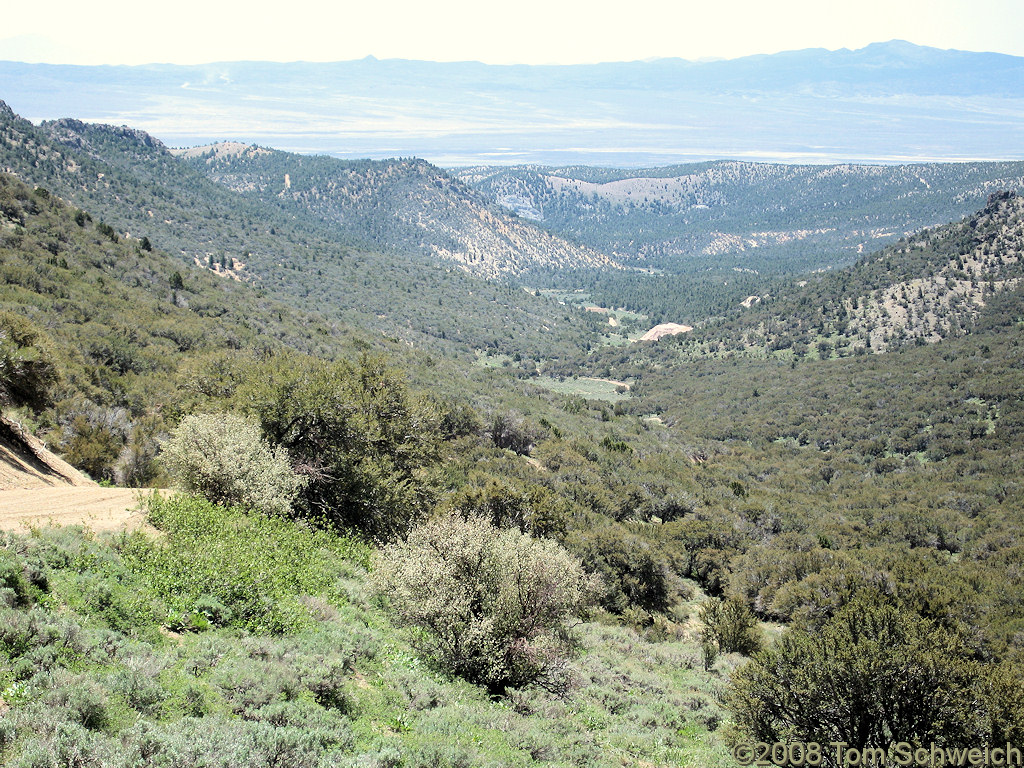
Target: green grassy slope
pixel 101 660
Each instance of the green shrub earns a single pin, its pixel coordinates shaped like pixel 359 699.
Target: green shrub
pixel 364 443
pixel 1004 698
pixel 873 675
pixel 458 420
pixel 84 702
pixel 231 743
pixel 28 371
pixel 214 610
pixel 493 604
pixel 730 625
pixel 137 464
pixel 70 744
pixel 512 431
pixel 224 458
pixel 633 569
pixel 529 507
pixel 91 436
pixel 13 580
pixel 137 682
pixel 761 573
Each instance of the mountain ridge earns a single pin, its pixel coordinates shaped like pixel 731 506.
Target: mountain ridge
pixel 905 197
pixel 881 103
pixel 936 284
pixel 138 187
pixel 438 214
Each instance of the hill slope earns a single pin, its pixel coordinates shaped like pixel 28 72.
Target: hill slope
pixel 775 219
pixel 787 486
pixel 137 186
pixel 935 284
pixel 109 321
pixel 395 204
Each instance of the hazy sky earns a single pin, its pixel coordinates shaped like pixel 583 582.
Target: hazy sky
pixel 523 31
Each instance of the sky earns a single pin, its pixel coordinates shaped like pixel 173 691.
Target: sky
pixel 520 32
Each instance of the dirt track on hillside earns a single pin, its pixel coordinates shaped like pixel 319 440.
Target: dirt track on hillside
pixel 101 509
pixel 38 488
pixel 25 462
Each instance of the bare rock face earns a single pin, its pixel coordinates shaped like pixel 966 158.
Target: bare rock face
pixel 665 329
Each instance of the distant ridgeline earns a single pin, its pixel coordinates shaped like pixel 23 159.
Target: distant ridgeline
pixel 888 102
pixel 769 217
pixel 407 205
pixel 695 240
pixel 705 237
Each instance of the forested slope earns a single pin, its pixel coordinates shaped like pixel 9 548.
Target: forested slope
pixel 97 326
pixel 934 284
pixel 134 184
pixel 774 218
pixel 408 205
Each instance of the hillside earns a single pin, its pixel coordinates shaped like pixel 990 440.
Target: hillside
pixel 776 219
pixel 406 205
pixel 132 182
pixel 755 482
pixel 932 285
pixel 109 321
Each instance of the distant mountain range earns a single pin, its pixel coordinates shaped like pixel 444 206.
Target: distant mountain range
pixel 888 102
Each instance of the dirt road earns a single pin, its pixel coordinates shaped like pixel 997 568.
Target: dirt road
pixel 26 463
pixel 101 509
pixel 38 488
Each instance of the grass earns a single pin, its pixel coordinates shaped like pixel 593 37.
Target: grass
pixel 591 389
pixel 93 664
pixel 492 360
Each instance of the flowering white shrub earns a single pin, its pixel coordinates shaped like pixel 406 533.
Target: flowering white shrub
pixel 494 603
pixel 224 458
